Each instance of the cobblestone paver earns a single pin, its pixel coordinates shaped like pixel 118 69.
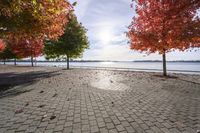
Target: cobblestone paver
pixel 53 100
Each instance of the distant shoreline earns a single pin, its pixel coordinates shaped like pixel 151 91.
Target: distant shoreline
pixel 191 61
pixel 190 72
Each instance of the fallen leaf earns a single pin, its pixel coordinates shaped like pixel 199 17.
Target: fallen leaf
pixel 27 104
pixel 18 111
pixel 52 117
pixel 44 116
pixel 41 106
pixel 55 95
pixel 113 104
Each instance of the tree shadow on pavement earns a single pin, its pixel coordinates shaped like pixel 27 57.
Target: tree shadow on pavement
pixel 10 80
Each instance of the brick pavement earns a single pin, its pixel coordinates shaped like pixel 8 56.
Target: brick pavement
pixel 91 101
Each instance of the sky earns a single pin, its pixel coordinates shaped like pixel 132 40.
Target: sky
pixel 107 22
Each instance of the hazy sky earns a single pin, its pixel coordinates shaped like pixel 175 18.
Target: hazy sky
pixel 107 21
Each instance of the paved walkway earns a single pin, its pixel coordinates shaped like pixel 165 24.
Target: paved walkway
pixel 82 101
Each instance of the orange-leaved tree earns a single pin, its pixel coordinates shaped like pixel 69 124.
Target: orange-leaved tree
pixel 22 21
pixel 24 48
pixel 33 18
pixel 165 25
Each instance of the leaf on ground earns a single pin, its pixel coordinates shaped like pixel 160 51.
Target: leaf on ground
pixel 187 92
pixel 55 95
pixel 52 117
pixel 41 91
pixel 27 104
pixel 18 111
pixel 44 116
pixel 41 106
pixel 139 101
pixel 113 104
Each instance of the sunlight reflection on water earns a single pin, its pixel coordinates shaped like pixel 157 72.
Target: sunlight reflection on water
pixel 106 63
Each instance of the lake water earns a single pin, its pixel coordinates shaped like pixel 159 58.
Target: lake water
pixel 177 67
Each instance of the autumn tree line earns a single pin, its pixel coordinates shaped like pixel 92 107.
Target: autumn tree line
pixel 29 28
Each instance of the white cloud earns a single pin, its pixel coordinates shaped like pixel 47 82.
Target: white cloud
pixel 106 22
pixel 81 7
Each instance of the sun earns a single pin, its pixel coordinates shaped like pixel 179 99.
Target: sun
pixel 105 36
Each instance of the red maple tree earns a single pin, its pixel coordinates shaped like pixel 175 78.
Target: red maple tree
pixel 24 48
pixel 2 45
pixel 165 25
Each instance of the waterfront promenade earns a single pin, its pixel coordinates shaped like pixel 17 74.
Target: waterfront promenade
pixel 48 99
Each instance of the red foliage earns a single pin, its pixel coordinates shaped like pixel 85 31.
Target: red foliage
pixel 2 45
pixel 27 47
pixel 165 25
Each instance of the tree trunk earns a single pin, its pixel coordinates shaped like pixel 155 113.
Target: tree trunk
pixel 164 65
pixel 35 61
pixel 4 61
pixel 15 61
pixel 32 61
pixel 67 62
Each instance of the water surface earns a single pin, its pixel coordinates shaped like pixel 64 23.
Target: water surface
pixel 178 67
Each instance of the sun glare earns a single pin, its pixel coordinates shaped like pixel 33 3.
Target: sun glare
pixel 105 36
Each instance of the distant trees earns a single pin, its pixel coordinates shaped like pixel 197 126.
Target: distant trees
pixel 165 25
pixel 8 54
pixel 71 44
